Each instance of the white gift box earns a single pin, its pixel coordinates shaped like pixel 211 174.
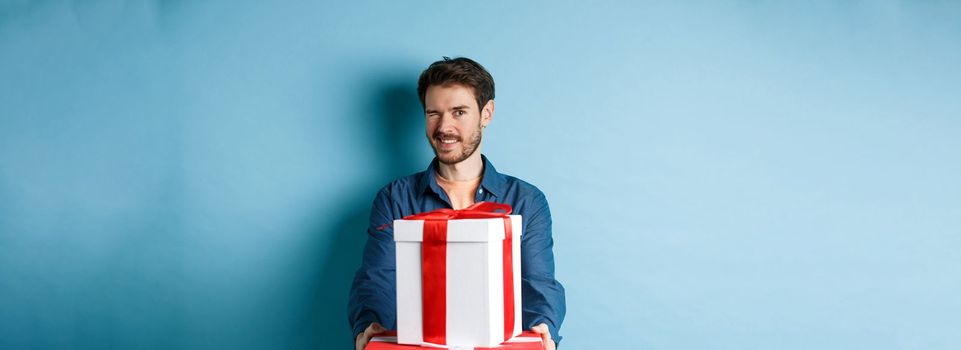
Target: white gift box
pixel 475 281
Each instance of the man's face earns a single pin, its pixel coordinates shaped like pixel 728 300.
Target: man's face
pixel 454 123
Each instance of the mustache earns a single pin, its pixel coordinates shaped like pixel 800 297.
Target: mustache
pixel 439 135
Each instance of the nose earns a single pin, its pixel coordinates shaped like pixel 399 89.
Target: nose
pixel 446 124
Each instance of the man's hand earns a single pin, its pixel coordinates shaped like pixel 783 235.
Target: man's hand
pixel 545 335
pixel 363 338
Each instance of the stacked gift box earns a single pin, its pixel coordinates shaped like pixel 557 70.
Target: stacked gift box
pixel 524 341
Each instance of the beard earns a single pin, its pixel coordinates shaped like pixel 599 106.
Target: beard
pixel 453 157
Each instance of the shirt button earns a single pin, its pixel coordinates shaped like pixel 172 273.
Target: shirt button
pixel 481 191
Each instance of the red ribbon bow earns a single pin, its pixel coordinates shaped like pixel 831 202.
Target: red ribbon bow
pixel 434 266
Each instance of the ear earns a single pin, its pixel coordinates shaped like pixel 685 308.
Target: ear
pixel 487 113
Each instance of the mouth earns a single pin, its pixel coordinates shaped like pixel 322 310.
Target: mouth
pixel 447 142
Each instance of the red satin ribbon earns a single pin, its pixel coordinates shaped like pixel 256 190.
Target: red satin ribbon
pixel 434 265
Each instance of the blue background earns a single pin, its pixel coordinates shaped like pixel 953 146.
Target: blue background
pixel 723 175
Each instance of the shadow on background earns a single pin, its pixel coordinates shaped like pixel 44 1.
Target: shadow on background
pixel 394 120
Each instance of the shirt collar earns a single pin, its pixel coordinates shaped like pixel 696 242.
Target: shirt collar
pixel 491 180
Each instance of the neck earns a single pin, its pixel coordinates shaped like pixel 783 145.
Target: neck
pixel 468 169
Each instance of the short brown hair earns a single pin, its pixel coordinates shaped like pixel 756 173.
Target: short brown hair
pixel 461 70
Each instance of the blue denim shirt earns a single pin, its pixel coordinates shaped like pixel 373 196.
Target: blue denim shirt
pixel 373 297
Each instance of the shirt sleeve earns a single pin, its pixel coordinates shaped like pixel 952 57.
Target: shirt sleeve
pixel 372 295
pixel 543 296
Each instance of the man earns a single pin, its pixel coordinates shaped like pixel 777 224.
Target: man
pixel 458 100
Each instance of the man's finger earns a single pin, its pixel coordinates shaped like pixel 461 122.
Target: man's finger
pixel 542 330
pixel 545 335
pixel 361 342
pixel 374 328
